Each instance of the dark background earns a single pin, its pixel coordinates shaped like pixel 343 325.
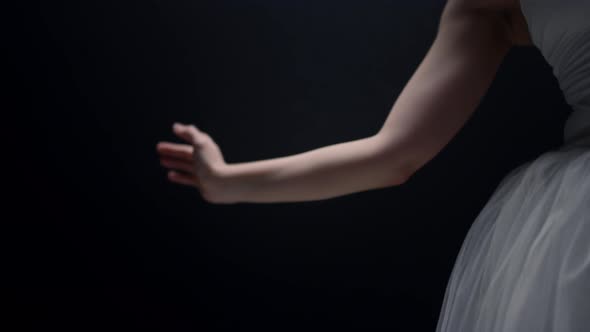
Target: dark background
pixel 103 240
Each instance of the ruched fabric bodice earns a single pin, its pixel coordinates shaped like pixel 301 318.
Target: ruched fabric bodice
pixel 560 29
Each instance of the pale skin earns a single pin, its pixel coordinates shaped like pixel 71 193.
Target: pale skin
pixel 473 38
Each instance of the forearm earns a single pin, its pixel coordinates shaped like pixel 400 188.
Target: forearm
pixel 323 173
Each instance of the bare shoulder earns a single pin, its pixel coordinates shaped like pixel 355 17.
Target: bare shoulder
pixel 485 5
pixel 507 13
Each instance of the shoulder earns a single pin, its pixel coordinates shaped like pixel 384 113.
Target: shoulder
pixel 493 14
pixel 505 15
pixel 484 5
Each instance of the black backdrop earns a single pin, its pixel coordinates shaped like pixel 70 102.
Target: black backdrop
pixel 105 242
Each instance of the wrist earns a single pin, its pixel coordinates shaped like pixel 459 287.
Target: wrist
pixel 223 185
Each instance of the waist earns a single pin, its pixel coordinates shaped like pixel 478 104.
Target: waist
pixel 577 128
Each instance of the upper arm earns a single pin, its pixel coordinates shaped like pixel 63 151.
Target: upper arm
pixel 446 87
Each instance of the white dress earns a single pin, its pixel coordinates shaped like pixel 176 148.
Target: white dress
pixel 525 262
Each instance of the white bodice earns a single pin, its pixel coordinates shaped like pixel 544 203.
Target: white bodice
pixel 560 29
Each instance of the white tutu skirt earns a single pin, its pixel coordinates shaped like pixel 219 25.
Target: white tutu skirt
pixel 525 262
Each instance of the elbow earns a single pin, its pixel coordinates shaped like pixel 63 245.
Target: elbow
pixel 398 169
pixel 398 161
pixel 400 175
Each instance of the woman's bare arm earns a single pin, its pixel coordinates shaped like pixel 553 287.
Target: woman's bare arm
pixel 436 102
pixel 326 172
pixel 447 86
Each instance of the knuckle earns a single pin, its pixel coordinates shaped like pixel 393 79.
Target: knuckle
pixel 199 141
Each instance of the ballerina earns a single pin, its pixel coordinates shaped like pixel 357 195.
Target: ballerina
pixel 525 263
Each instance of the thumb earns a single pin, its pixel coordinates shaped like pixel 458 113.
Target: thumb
pixel 189 133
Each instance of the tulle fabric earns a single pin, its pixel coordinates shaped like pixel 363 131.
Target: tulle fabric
pixel 525 262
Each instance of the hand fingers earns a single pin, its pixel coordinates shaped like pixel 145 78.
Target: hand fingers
pixel 180 151
pixel 185 166
pixel 184 179
pixel 189 133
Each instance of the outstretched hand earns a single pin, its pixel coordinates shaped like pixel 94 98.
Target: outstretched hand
pixel 198 164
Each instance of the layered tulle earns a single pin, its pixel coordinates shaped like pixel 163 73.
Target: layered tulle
pixel 525 262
